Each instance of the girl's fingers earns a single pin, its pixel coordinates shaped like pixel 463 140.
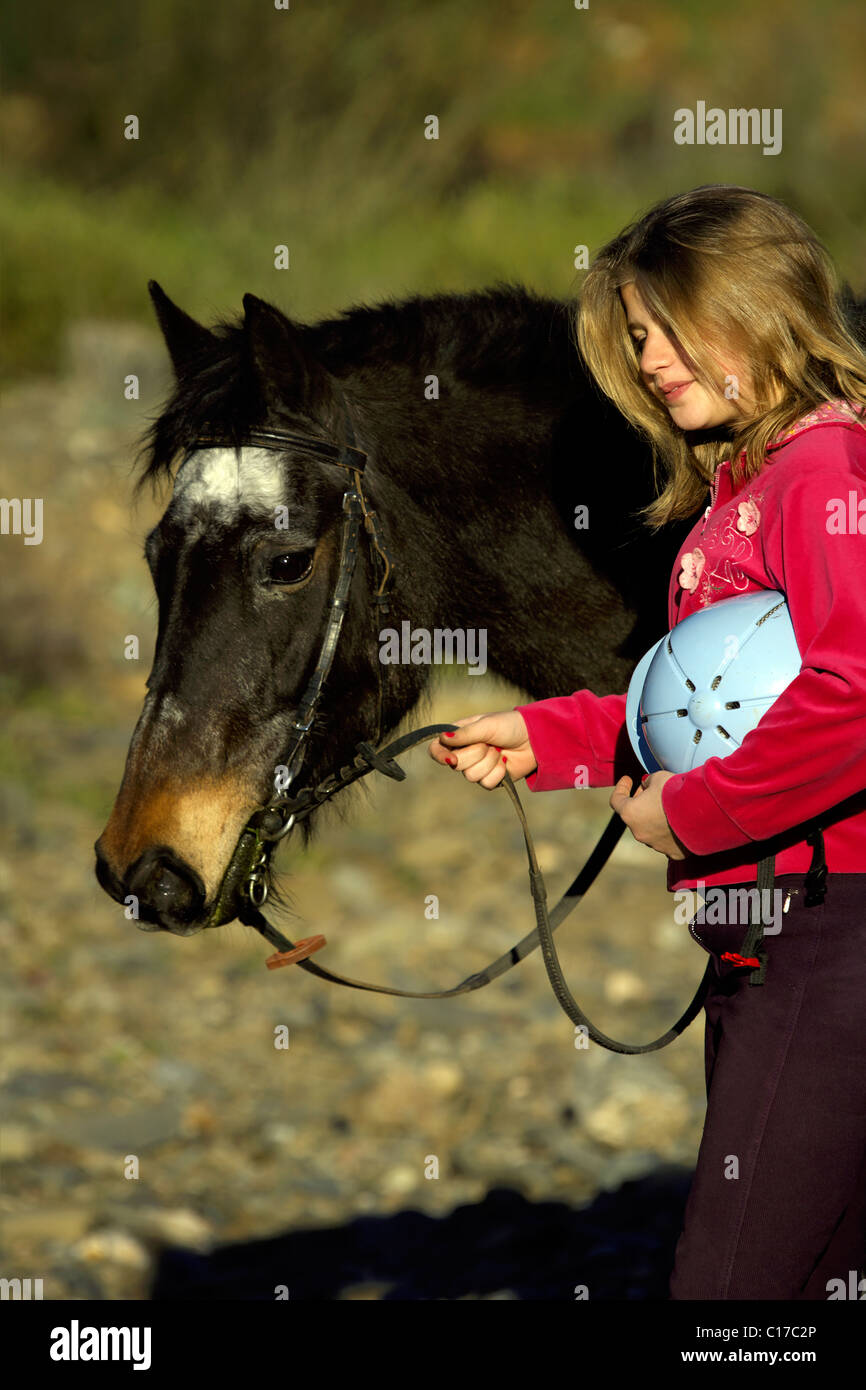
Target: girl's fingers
pixel 481 767
pixel 469 719
pixel 457 739
pixel 441 749
pixel 473 755
pixel 480 761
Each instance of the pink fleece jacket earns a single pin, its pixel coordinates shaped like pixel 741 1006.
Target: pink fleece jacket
pixel 799 526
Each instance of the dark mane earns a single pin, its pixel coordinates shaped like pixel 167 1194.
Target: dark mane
pixel 492 336
pixel 498 334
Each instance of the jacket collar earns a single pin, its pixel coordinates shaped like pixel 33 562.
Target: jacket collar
pixel 837 411
pixel 832 412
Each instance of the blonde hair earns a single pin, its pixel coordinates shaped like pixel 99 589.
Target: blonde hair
pixel 720 265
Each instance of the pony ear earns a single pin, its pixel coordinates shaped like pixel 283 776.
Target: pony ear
pixel 185 339
pixel 286 372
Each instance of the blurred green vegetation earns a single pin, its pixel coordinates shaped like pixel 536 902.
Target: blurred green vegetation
pixel 305 126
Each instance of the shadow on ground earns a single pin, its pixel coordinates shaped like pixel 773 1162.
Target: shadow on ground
pixel 620 1246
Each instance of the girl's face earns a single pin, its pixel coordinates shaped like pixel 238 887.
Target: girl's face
pixel 668 373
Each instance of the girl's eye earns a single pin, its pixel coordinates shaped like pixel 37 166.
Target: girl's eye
pixel 289 568
pixel 637 344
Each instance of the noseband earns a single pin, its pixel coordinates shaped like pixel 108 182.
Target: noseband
pixel 244 888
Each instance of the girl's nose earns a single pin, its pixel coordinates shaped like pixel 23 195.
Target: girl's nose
pixel 657 354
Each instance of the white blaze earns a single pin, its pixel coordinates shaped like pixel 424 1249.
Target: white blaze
pixel 218 478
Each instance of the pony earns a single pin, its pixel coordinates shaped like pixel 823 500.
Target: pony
pixel 506 490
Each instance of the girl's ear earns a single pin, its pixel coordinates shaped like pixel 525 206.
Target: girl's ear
pixel 186 340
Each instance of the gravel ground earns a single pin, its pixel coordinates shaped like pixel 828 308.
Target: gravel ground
pixel 156 1140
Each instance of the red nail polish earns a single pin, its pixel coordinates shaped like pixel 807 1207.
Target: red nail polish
pixel 451 734
pixel 504 759
pixel 452 762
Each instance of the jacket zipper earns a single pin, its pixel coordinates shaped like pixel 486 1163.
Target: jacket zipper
pixel 714 491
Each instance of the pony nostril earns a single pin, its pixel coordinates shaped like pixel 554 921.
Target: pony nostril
pixel 169 891
pixel 173 892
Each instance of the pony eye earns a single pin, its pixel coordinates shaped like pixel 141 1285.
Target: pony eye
pixel 290 568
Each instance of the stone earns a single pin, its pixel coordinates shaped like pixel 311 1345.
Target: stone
pixel 639 1115
pixel 113 1247
pixel 624 987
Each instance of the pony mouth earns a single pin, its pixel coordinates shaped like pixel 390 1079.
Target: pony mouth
pixel 211 914
pixel 173 928
pixel 164 892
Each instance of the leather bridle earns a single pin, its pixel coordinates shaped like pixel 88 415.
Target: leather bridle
pixel 244 888
pixel 248 870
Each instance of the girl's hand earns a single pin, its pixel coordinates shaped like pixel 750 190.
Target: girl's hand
pixel 485 747
pixel 644 816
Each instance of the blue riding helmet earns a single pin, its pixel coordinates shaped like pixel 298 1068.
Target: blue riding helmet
pixel 703 687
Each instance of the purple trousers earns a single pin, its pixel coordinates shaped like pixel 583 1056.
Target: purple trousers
pixel 777 1208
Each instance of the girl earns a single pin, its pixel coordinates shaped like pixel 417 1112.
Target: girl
pixel 714 324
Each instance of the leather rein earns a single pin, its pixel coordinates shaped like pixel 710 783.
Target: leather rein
pixel 245 884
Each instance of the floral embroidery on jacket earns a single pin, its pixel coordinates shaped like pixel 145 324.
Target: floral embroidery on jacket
pixel 740 548
pixel 732 539
pixel 837 409
pixel 708 573
pixel 693 568
pixel 748 518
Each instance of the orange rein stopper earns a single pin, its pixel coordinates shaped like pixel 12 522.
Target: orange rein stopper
pixel 298 952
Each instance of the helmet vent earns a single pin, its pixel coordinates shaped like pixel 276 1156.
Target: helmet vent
pixel 724 733
pixel 681 713
pixel 689 684
pixel 716 680
pixel 732 704
pixel 697 737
